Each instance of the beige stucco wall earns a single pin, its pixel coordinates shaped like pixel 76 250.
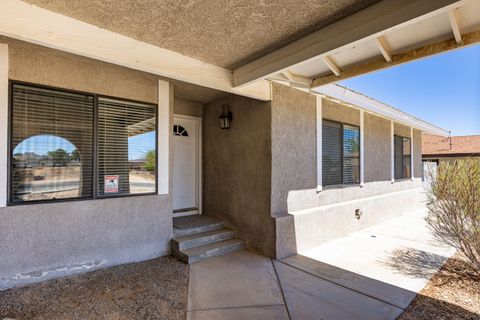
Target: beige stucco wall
pixel 337 112
pixel 41 241
pixel 417 154
pixel 237 170
pixel 305 217
pixel 41 65
pixel 189 108
pixel 377 148
pixel 401 130
pixel 293 144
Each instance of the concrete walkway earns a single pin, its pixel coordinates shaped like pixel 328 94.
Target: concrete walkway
pixel 371 274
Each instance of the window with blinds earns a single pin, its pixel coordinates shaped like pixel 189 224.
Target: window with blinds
pixel 51 144
pixel 351 154
pixel 340 153
pixel 69 145
pixel 402 156
pixel 126 144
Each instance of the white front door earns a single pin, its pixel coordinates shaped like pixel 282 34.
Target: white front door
pixel 186 155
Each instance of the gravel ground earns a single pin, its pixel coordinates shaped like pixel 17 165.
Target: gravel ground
pixel 155 289
pixel 453 293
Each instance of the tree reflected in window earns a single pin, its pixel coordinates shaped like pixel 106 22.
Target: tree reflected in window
pixel 46 167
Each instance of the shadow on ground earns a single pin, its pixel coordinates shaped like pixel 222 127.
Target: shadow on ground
pixel 154 289
pixel 313 287
pixel 414 263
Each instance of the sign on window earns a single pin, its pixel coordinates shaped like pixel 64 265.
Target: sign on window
pixel 111 184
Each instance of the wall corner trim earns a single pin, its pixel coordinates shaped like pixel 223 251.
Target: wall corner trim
pixel 164 114
pixel 319 101
pixel 4 65
pixel 392 151
pixel 362 148
pixel 412 162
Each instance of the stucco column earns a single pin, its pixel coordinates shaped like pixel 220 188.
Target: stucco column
pixel 3 124
pixel 319 142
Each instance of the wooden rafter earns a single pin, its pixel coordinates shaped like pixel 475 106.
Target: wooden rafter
pixel 382 46
pixel 296 79
pixel 367 24
pixel 452 16
pixel 332 66
pixel 426 51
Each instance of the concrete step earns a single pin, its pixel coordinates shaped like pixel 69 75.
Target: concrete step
pixel 200 239
pixel 189 225
pixel 215 249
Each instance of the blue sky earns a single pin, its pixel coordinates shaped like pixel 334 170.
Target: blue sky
pixel 443 89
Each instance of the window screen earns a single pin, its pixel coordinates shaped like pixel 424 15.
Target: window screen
pixel 126 147
pixel 51 144
pixel 402 154
pixel 340 153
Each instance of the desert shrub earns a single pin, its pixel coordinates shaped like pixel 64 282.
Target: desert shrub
pixel 454 206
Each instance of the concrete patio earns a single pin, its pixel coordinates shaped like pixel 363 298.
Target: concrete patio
pixel 371 274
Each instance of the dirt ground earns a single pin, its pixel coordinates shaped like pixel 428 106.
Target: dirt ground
pixel 453 293
pixel 155 289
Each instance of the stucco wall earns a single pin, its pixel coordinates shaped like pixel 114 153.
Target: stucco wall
pixel 293 145
pixel 377 148
pixel 41 241
pixel 337 112
pixel 237 170
pixel 401 130
pixel 417 154
pixel 44 241
pixel 188 108
pixel 305 217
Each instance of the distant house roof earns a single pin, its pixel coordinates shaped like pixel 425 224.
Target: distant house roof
pixel 459 145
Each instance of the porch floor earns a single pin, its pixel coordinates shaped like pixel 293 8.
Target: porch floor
pixel 370 274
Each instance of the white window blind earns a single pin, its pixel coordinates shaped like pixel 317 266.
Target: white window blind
pixel 51 144
pixel 126 143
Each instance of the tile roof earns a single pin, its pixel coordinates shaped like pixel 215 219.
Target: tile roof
pixel 454 145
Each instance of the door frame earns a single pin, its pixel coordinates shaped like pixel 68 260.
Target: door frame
pixel 199 164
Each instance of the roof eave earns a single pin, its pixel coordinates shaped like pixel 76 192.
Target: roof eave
pixel 356 100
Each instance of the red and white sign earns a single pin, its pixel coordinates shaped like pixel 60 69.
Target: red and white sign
pixel 111 184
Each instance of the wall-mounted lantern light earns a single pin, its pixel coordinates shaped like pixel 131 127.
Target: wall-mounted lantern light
pixel 225 118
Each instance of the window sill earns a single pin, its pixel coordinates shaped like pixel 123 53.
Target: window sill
pixel 402 180
pixel 39 202
pixel 340 186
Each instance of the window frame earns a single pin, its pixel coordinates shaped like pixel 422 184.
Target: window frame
pixel 342 185
pixel 403 158
pixel 96 97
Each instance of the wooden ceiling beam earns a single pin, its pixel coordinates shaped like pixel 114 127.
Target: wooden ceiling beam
pixel 426 51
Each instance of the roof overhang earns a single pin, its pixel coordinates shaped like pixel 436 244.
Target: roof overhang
pixel 389 33
pixel 29 23
pixel 384 35
pixel 352 99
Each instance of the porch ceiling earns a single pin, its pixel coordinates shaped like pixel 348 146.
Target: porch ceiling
pixel 225 33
